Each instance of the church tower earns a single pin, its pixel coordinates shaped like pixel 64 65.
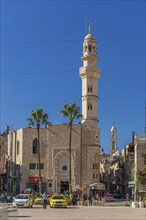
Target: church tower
pixel 89 74
pixel 113 141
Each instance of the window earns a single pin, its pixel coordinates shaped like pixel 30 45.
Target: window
pixel 113 145
pixel 17 151
pixel 64 167
pixel 50 185
pixel 90 89
pixel 93 176
pixel 41 166
pixel 32 166
pixel 90 48
pixel 89 106
pixel 35 146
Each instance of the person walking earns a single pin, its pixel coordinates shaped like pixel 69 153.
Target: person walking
pixel 44 196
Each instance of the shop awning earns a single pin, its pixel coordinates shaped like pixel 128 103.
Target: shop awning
pixel 142 191
pixel 97 185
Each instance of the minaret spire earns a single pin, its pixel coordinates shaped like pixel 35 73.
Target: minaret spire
pixel 89 27
pixel 90 73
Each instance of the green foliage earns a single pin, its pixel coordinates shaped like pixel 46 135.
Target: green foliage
pixel 144 157
pixel 142 176
pixel 142 173
pixel 71 111
pixel 37 118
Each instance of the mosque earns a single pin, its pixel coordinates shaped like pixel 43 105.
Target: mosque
pixel 85 151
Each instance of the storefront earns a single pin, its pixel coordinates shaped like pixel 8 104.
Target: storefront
pixel 34 183
pixel 97 188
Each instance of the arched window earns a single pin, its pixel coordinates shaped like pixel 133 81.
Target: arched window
pixel 18 148
pixel 90 48
pixel 90 89
pixel 35 146
pixel 113 145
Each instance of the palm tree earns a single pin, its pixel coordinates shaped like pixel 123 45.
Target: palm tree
pixel 37 118
pixel 71 111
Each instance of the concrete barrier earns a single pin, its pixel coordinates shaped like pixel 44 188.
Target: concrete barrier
pixel 4 215
pixel 135 204
pixel 141 204
pixel 8 213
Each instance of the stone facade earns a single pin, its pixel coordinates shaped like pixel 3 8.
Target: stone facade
pixel 54 141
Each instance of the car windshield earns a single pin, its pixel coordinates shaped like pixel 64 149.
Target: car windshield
pixel 22 197
pixel 57 197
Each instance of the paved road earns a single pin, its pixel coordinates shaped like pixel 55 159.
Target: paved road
pixel 82 213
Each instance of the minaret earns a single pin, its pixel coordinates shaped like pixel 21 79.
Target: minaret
pixel 89 74
pixel 113 141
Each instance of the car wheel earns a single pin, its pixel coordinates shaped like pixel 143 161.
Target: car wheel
pixel 50 206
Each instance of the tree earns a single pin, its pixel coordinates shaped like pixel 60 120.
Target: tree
pixel 72 112
pixel 142 173
pixel 142 176
pixel 38 118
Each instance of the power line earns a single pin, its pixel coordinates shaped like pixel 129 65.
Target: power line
pixel 66 41
pixel 127 97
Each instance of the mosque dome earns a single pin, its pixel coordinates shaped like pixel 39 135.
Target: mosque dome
pixel 89 37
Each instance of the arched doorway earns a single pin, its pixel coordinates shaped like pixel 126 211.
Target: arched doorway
pixel 61 171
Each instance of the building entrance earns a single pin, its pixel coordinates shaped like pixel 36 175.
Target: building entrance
pixel 34 186
pixel 64 186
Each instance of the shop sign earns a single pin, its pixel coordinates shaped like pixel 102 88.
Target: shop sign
pixel 131 184
pixel 34 179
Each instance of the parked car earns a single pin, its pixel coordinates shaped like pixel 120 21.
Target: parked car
pixel 23 200
pixel 109 198
pixel 117 195
pixel 38 200
pixel 10 197
pixel 58 200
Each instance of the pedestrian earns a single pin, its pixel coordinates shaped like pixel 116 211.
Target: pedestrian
pixel 44 197
pixel 90 199
pixel 84 199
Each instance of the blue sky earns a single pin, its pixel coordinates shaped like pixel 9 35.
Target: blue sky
pixel 41 49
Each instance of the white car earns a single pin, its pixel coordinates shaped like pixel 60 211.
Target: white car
pixel 23 200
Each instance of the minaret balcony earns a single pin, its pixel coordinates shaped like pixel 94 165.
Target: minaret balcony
pixel 93 71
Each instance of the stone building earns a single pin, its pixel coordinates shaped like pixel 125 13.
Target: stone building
pixel 3 159
pixel 54 141
pixel 134 162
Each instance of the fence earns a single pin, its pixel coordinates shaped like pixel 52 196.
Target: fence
pixel 8 213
